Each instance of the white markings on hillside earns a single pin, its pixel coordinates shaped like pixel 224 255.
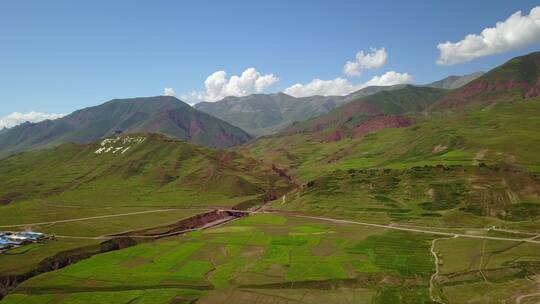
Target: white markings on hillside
pixel 119 144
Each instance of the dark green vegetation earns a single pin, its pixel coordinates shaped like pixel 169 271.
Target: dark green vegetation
pixel 162 114
pixel 268 113
pixel 453 196
pixel 386 199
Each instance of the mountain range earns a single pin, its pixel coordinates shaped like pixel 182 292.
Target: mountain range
pixel 263 114
pixel 516 79
pixel 235 120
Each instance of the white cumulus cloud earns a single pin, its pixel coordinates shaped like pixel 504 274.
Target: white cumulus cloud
pixel 388 79
pixel 168 92
pixel 341 86
pixel 337 86
pixel 515 32
pixel 375 59
pixel 218 86
pixel 16 118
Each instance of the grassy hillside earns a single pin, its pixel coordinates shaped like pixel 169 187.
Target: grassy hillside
pixel 434 196
pixel 456 174
pixel 135 170
pixel 161 114
pixel 504 133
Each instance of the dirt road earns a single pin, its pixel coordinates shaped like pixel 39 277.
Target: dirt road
pixel 97 217
pixel 434 275
pixel 449 234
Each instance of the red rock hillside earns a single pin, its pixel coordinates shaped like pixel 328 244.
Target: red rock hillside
pixel 381 122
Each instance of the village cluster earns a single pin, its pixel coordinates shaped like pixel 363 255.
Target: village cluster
pixel 10 239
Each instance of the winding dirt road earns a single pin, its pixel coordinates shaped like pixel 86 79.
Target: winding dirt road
pixel 334 220
pixel 434 275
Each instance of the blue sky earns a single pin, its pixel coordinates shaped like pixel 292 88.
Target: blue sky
pixel 59 56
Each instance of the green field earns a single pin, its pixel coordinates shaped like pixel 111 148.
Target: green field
pixel 259 254
pixel 273 258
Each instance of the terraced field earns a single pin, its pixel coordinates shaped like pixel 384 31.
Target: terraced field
pixel 255 256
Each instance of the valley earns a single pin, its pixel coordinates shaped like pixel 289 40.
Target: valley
pixel 416 194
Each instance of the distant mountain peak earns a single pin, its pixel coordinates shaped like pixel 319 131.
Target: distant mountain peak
pixel 455 81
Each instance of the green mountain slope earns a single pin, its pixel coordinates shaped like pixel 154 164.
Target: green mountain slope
pixel 505 133
pixel 162 114
pixel 134 170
